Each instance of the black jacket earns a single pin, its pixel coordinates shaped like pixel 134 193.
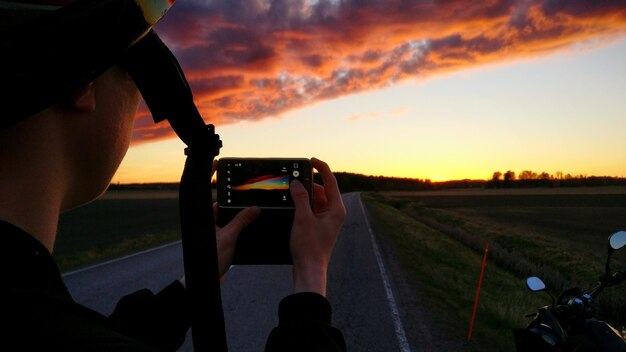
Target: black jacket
pixel 39 314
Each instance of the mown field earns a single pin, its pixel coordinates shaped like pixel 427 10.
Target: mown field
pixel 119 223
pixel 439 237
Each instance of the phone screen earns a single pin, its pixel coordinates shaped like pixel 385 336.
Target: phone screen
pixel 244 182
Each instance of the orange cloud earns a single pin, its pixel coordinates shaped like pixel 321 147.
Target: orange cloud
pixel 253 59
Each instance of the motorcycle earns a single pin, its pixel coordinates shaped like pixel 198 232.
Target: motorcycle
pixel 570 323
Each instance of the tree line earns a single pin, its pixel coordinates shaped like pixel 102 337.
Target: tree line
pixel 529 178
pixel 351 182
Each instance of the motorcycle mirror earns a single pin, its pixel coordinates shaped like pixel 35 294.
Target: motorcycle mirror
pixel 617 240
pixel 535 284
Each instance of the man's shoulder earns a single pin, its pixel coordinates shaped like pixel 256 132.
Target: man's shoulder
pixel 39 322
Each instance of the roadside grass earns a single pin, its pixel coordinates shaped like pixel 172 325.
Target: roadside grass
pixel 110 228
pixel 103 253
pixel 569 252
pixel 117 224
pixel 442 250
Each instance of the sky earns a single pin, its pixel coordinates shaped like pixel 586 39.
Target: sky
pixel 436 90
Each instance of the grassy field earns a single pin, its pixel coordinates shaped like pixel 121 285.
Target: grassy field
pixel 118 223
pixel 560 236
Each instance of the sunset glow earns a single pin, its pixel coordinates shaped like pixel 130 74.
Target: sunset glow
pixel 434 90
pixel 265 183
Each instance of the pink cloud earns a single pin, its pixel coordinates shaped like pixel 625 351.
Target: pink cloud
pixel 250 59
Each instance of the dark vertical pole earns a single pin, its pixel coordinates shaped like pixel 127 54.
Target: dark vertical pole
pixel 200 251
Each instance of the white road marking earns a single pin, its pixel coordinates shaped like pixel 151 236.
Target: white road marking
pixel 395 315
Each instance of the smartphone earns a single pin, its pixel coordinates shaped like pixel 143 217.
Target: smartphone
pixel 261 182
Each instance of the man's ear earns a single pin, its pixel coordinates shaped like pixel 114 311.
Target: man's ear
pixel 84 99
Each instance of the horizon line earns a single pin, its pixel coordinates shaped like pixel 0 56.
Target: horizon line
pixel 425 180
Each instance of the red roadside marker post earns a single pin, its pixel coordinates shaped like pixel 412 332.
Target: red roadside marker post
pixel 480 283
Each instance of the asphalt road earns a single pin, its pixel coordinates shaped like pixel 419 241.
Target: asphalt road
pixel 361 290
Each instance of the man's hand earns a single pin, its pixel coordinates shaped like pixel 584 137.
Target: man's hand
pixel 227 235
pixel 315 230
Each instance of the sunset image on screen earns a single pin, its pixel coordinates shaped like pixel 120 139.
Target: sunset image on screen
pixel 265 183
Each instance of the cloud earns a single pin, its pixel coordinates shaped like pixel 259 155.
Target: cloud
pixel 251 59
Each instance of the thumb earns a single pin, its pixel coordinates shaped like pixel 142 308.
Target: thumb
pixel 300 197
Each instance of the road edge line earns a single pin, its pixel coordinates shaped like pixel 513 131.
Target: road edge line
pixel 395 315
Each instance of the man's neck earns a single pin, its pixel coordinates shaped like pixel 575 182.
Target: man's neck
pixel 32 182
pixel 34 210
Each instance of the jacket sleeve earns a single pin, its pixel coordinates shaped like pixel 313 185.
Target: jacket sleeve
pixel 159 320
pixel 304 324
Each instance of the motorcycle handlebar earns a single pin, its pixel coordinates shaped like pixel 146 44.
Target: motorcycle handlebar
pixel 609 281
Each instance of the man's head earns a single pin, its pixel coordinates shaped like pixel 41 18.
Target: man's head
pixel 79 142
pixel 68 107
pixel 97 121
pixel 54 56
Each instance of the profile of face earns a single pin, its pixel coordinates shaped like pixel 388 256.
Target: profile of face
pixel 100 119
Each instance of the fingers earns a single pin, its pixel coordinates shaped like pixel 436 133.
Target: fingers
pixel 300 198
pixel 241 220
pixel 227 236
pixel 319 198
pixel 331 188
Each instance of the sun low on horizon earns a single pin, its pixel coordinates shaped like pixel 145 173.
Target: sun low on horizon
pixel 422 90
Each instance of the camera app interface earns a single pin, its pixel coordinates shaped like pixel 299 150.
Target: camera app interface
pixel 265 184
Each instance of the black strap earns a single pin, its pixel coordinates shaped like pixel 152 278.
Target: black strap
pixel 166 92
pixel 200 251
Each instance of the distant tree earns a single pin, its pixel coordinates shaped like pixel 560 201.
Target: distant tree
pixel 545 176
pixel 509 176
pixel 527 175
pixel 497 176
